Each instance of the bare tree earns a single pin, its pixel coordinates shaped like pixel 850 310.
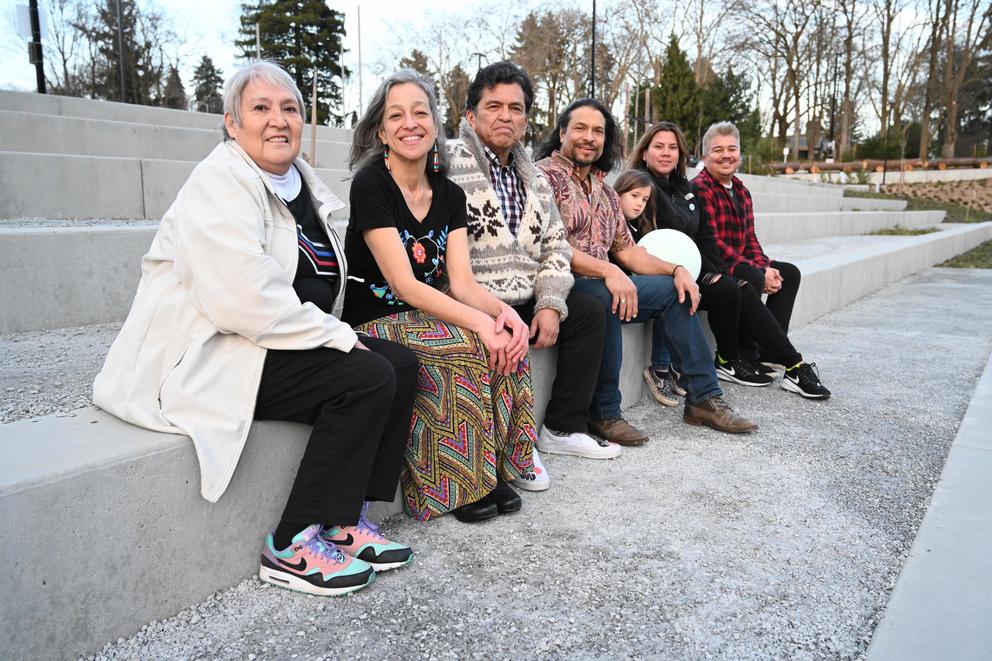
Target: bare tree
pixel 967 22
pixel 937 15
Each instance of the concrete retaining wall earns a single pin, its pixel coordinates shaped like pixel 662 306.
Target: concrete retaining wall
pixel 913 176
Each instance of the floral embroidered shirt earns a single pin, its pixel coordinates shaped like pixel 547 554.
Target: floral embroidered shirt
pixel 377 202
pixel 589 209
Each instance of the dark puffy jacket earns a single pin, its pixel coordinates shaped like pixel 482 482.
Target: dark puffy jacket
pixel 676 208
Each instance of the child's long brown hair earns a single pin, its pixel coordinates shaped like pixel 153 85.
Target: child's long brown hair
pixel 630 179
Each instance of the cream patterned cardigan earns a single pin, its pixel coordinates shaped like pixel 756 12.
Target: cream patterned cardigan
pixel 534 264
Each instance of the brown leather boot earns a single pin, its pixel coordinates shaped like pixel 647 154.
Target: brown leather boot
pixel 717 414
pixel 618 431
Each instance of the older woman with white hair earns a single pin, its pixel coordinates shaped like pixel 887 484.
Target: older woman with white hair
pixel 232 321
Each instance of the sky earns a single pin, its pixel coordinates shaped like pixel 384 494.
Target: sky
pixel 210 27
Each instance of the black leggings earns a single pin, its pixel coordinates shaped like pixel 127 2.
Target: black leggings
pixel 736 311
pixel 359 404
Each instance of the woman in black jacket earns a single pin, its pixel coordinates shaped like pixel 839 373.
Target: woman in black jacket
pixel 733 306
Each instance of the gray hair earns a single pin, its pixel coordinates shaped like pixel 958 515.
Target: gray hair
pixel 720 128
pixel 366 148
pixel 265 71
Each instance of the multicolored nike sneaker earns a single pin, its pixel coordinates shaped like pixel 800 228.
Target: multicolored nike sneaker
pixel 364 542
pixel 314 566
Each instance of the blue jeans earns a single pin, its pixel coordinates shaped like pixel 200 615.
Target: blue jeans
pixel 656 299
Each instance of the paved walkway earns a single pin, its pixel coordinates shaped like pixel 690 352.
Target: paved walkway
pixel 782 544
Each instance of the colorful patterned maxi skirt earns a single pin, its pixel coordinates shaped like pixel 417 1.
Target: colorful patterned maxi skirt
pixel 467 424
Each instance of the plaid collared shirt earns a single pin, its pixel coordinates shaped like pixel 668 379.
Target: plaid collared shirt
pixel 509 189
pixel 733 228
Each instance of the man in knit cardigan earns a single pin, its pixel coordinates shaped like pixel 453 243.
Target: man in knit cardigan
pixel 519 253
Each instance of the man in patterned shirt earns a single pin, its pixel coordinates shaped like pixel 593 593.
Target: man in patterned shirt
pixel 726 204
pixel 520 255
pixel 576 158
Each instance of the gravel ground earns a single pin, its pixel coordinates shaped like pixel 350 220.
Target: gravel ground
pixel 780 544
pixel 50 371
pixel 41 223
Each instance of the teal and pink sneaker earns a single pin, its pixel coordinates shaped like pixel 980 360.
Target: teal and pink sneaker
pixel 314 566
pixel 365 542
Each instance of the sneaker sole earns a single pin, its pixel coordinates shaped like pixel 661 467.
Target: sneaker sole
pixel 655 392
pixel 608 453
pixel 532 485
pixel 290 582
pixel 386 566
pixel 699 422
pixel 792 387
pixel 723 376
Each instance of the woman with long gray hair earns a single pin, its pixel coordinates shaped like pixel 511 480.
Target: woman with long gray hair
pixel 411 282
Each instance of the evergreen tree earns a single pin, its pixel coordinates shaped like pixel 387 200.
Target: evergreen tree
pixel 207 82
pixel 305 37
pixel 456 93
pixel 726 98
pixel 417 61
pixel 174 95
pixel 676 97
pixel 142 38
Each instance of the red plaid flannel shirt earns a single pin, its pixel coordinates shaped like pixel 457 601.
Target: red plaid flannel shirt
pixel 735 237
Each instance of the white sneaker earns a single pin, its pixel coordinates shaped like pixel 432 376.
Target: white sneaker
pixel 538 480
pixel 576 444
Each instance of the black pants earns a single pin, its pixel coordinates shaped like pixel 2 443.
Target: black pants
pixel 580 348
pixel 736 312
pixel 779 304
pixel 359 404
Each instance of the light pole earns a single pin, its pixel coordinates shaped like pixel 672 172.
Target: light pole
pixel 592 81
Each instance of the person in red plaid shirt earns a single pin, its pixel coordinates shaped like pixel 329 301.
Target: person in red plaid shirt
pixel 726 203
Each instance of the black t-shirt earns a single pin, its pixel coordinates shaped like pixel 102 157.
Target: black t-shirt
pixel 377 202
pixel 317 271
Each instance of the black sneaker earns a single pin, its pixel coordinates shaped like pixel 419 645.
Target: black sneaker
pixel 804 380
pixel 768 367
pixel 740 371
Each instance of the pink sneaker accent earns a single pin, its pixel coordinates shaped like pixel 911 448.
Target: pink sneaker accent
pixel 363 541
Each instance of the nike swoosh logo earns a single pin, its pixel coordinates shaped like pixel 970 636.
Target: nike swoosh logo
pixel 347 541
pixel 299 566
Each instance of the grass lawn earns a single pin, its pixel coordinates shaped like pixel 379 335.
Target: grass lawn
pixel 955 212
pixel 979 257
pixel 903 231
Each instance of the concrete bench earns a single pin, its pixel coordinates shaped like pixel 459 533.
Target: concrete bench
pixel 105 528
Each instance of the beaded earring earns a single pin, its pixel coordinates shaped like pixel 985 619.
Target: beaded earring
pixel 385 158
pixel 435 160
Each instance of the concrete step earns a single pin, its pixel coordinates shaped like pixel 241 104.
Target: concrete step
pixel 808 203
pixel 839 270
pixel 86 473
pixel 781 185
pixel 110 261
pixel 69 106
pixel 794 227
pixel 81 136
pixel 103 186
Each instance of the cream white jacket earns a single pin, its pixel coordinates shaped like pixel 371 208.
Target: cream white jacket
pixel 216 291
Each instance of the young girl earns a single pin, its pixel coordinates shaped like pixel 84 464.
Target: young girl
pixel 634 188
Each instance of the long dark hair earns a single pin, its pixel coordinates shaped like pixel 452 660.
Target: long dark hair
pixel 636 159
pixel 612 147
pixel 636 178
